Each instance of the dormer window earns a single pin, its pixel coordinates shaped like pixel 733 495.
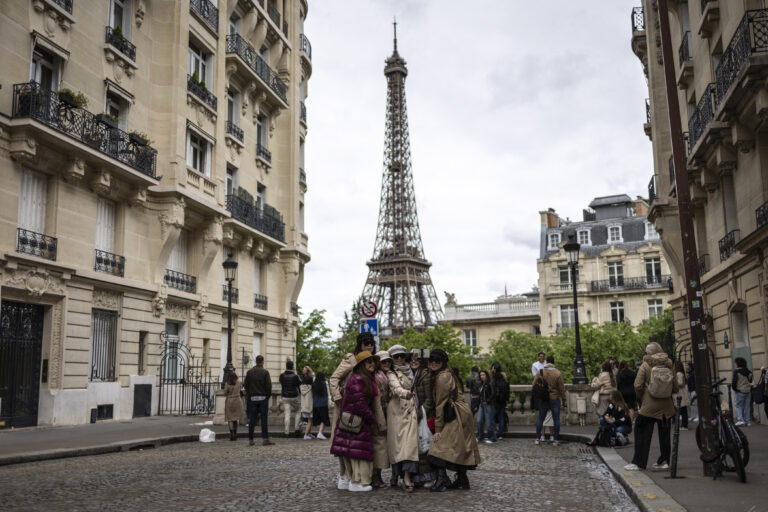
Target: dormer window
pixel 650 231
pixel 554 241
pixel 614 234
pixel 584 237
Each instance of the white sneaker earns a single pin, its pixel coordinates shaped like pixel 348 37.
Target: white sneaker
pixel 632 467
pixel 695 419
pixel 343 483
pixel 321 436
pixel 307 438
pixel 355 487
pixel 663 465
pixel 739 423
pixel 683 428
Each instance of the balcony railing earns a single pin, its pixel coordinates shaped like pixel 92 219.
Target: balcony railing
pixel 751 36
pixel 761 215
pixel 305 46
pixel 638 19
pixel 265 221
pixel 179 281
pixel 704 113
pixel 225 294
pixel 647 110
pixel 652 190
pixel 30 100
pixel 234 130
pixel 302 175
pixel 263 152
pixel 294 309
pixel 703 264
pixel 199 90
pixel 64 4
pixel 684 52
pixel 727 244
pixel 260 301
pixel 118 40
pixel 303 112
pixel 243 49
pixel 632 283
pixel 109 263
pixel 36 244
pixel 273 13
pixel 207 11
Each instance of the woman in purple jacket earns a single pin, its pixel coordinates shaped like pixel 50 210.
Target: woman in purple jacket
pixel 356 449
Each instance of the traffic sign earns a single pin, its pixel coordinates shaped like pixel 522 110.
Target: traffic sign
pixel 369 309
pixel 371 325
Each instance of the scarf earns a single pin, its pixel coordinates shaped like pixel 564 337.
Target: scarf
pixel 405 369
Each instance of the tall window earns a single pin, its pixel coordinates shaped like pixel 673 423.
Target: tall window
pixel 32 201
pixel 470 338
pixel 554 240
pixel 118 9
pixel 198 153
pixel 234 25
pixel 103 345
pixel 615 273
pixel 584 237
pixel 174 343
pixel 45 69
pixel 650 231
pixel 257 350
pixel 614 234
pixel 565 274
pixel 116 107
pixel 655 308
pixel 105 225
pixel 301 217
pixel 231 180
pixel 261 196
pixel 257 276
pixel 178 259
pixel 198 64
pixel 232 105
pixel 567 316
pixel 617 311
pixel 653 270
pixel 261 131
pixel 740 324
pixel 223 351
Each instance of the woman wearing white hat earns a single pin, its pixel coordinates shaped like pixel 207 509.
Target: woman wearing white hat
pixel 380 448
pixel 402 423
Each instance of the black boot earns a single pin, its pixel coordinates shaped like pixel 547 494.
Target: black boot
pixel 234 431
pixel 461 481
pixel 442 482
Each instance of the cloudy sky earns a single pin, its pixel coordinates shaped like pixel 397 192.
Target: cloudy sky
pixel 514 107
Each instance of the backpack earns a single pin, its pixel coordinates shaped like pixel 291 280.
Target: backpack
pixel 475 385
pixel 660 384
pixel 540 389
pixel 606 436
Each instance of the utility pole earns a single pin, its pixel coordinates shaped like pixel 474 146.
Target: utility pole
pixel 694 298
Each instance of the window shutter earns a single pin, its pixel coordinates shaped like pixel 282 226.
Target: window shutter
pixel 178 259
pixel 32 201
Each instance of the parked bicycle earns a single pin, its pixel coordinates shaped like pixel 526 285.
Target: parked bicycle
pixel 732 447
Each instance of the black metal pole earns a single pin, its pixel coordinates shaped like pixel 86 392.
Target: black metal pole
pixel 579 370
pixel 228 368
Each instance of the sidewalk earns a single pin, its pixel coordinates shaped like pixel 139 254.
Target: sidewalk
pixel 694 492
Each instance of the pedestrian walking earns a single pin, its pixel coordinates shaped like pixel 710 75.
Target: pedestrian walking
pixel 690 381
pixel 454 446
pixel 307 404
pixel 654 385
pixel 258 389
pixel 473 385
pixel 484 421
pixel 625 383
pixel 402 422
pixel 742 387
pixel 425 404
pixel 380 448
pixel 682 392
pixel 233 404
pixel 320 404
pixel 365 342
pixel 289 397
pixel 603 384
pixel 554 382
pixel 352 438
pixel 500 397
pixel 537 366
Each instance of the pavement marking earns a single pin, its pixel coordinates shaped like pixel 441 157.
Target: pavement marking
pixel 636 483
pixel 649 495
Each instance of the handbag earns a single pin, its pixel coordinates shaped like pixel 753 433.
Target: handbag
pixel 449 413
pixel 349 422
pixel 758 392
pixel 596 398
pixel 425 436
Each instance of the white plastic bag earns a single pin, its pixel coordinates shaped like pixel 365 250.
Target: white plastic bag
pixel 425 435
pixel 207 436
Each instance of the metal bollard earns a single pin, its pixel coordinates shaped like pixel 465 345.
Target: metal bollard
pixel 675 442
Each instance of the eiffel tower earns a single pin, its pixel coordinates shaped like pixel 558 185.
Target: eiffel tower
pixel 398 276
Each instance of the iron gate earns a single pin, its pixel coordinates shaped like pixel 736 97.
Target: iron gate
pixel 21 341
pixel 185 387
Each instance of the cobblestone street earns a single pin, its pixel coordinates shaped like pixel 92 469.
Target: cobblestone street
pixel 299 475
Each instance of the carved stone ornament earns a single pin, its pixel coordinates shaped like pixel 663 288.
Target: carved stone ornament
pixel 101 183
pixel 138 197
pixel 23 150
pixel 201 112
pixel 75 171
pixel 35 282
pixel 120 65
pixel 259 325
pixel 201 310
pixel 173 216
pixel 176 311
pixel 158 306
pixel 214 231
pixel 450 299
pixel 105 299
pixel 235 148
pixel 274 256
pixel 140 11
pixel 52 18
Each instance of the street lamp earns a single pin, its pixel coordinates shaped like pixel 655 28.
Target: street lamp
pixel 572 254
pixel 230 269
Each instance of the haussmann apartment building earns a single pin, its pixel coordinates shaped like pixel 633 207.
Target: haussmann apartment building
pixel 141 142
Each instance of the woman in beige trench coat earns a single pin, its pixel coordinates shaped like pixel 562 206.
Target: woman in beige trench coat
pixel 454 445
pixel 233 404
pixel 380 448
pixel 402 422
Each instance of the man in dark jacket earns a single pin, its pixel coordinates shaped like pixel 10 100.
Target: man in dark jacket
pixel 474 385
pixel 258 389
pixel 289 384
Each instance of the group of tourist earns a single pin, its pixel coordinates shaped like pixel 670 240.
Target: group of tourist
pixel 489 397
pixel 404 411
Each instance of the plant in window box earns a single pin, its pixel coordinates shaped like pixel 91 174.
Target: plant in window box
pixel 245 195
pixel 72 99
pixel 139 138
pixel 118 32
pixel 108 119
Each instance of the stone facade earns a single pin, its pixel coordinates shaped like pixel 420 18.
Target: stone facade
pixel 622 273
pixel 718 48
pixel 99 226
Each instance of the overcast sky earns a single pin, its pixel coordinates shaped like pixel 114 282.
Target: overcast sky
pixel 514 107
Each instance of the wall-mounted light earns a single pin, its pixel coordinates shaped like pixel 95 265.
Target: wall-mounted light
pixel 726 344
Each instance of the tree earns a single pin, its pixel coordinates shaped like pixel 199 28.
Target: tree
pixel 312 342
pixel 441 336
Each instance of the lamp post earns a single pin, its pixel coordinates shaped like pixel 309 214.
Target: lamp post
pixel 230 269
pixel 572 254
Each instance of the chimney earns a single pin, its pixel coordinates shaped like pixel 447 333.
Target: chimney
pixel 641 207
pixel 550 218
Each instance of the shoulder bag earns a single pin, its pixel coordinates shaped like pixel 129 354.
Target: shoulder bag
pixel 349 422
pixel 449 412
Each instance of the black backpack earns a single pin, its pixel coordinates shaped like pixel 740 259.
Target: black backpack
pixel 500 389
pixel 606 436
pixel 540 390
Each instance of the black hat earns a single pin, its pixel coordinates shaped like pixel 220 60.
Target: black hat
pixel 438 356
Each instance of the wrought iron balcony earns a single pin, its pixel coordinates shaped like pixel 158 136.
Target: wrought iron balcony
pixel 638 19
pixel 703 264
pixel 305 46
pixel 652 190
pixel 263 152
pixel 243 49
pixel 109 263
pixel 647 110
pixel 234 130
pixel 751 36
pixel 294 309
pixel 266 221
pixel 727 244
pixel 64 4
pixel 260 301
pixel 632 283
pixel 179 281
pixel 273 13
pixel 36 244
pixel 303 113
pixel 684 52
pixel 761 215
pixel 704 113
pixel 118 40
pixel 30 100
pixel 225 294
pixel 206 10
pixel 302 175
pixel 199 90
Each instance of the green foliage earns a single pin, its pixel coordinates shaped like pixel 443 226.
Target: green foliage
pixel 142 135
pixel 77 97
pixel 245 196
pixel 313 343
pixel 442 336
